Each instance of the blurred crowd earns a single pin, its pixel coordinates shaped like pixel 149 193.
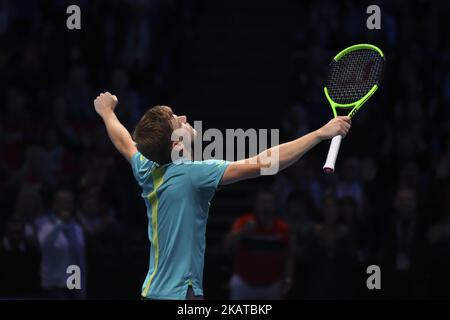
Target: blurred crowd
pixel 68 198
pixel 389 202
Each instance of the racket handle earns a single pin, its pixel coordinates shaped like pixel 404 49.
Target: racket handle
pixel 332 154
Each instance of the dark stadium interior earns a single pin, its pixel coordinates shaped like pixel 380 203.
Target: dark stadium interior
pixel 232 64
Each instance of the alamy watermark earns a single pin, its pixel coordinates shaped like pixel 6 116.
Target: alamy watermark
pixel 374 20
pixel 374 280
pixel 74 280
pixel 262 146
pixel 74 20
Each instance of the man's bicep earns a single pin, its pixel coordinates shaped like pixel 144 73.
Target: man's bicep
pixel 240 170
pixel 129 151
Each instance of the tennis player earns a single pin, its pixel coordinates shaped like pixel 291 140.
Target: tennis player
pixel 178 193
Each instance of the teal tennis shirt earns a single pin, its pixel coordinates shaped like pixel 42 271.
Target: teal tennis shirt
pixel 177 196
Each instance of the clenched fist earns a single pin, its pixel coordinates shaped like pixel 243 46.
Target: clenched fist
pixel 335 127
pixel 105 103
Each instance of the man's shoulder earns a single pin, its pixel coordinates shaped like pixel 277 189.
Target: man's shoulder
pixel 194 166
pixel 199 162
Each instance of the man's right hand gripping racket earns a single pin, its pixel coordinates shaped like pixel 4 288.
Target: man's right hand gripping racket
pixel 354 76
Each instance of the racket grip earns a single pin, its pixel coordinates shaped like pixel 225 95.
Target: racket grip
pixel 332 154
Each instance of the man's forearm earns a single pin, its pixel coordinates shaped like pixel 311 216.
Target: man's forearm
pixel 104 105
pixel 271 160
pixel 290 152
pixel 119 135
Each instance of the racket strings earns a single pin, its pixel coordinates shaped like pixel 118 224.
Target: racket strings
pixel 353 75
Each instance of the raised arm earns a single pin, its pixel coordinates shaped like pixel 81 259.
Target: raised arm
pixel 288 152
pixel 105 104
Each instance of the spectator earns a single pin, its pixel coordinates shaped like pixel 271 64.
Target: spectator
pixel 61 242
pixel 330 256
pixel 358 231
pixel 439 241
pixel 350 185
pixel 263 255
pixel 29 209
pixel 103 241
pixel 404 248
pixel 19 260
pixel 300 216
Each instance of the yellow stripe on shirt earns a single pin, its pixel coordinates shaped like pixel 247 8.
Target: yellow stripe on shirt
pixel 158 179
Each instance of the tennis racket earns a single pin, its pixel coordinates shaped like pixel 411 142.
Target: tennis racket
pixel 354 76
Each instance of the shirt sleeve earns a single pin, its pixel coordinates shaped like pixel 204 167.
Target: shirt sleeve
pixel 206 175
pixel 141 167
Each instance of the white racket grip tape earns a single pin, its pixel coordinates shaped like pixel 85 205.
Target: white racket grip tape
pixel 332 154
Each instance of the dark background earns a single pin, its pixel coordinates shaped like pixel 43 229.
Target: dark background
pixel 231 64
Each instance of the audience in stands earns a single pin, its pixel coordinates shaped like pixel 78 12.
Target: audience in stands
pixel 262 248
pixel 62 244
pixel 404 250
pixel 50 137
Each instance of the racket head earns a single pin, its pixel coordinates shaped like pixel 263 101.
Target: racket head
pixel 354 75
